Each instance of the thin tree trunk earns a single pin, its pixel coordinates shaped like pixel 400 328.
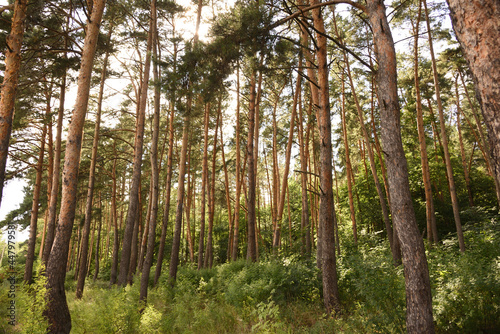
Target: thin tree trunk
pixel 148 261
pixel 132 214
pixel 168 182
pixel 204 177
pixel 97 244
pixel 288 153
pixel 418 292
pixel 57 311
pixel 9 86
pixel 90 192
pixel 226 186
pixel 348 165
pixel 211 202
pixel 449 168
pixel 234 253
pixel 462 150
pixel 30 254
pixel 114 261
pixel 251 247
pixel 432 236
pixel 174 256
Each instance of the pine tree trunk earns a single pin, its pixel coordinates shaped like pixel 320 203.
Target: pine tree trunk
pixel 148 260
pixel 168 182
pixel 132 214
pixel 90 192
pixel 204 176
pixel 444 138
pixel 476 26
pixel 251 247
pixel 234 247
pixel 418 293
pixel 114 260
pixel 462 149
pixel 429 201
pixel 327 208
pixel 211 202
pixel 97 244
pixel 348 165
pixel 9 86
pixel 30 254
pixel 57 311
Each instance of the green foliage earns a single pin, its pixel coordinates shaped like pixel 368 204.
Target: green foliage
pixel 467 286
pixel 32 304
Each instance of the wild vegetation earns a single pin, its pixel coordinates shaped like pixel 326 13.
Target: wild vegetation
pixel 251 166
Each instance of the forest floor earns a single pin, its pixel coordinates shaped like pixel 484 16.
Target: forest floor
pixel 283 295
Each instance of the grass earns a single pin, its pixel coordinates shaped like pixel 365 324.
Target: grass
pixel 284 296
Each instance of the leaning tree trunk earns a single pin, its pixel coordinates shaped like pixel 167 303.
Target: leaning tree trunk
pixel 57 311
pixel 476 27
pixel 82 273
pixel 418 291
pixel 9 85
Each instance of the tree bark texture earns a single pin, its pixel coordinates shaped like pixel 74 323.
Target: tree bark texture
pixel 476 25
pixel 57 311
pixel 90 191
pixel 9 86
pixel 326 207
pixel 418 292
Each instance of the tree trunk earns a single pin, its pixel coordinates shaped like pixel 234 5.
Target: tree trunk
pixel 114 213
pixel 168 183
pixel 9 86
pixel 57 311
pixel 211 200
pixel 234 252
pixel 462 149
pixel 204 178
pixel 348 165
pixel 148 261
pixel 449 168
pixel 30 254
pixel 97 244
pixel 137 164
pixel 432 236
pixel 327 208
pixel 476 26
pixel 251 247
pixel 418 292
pixel 90 192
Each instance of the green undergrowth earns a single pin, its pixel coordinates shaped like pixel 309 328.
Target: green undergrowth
pixel 284 296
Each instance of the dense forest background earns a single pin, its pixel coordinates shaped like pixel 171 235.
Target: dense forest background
pixel 228 166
